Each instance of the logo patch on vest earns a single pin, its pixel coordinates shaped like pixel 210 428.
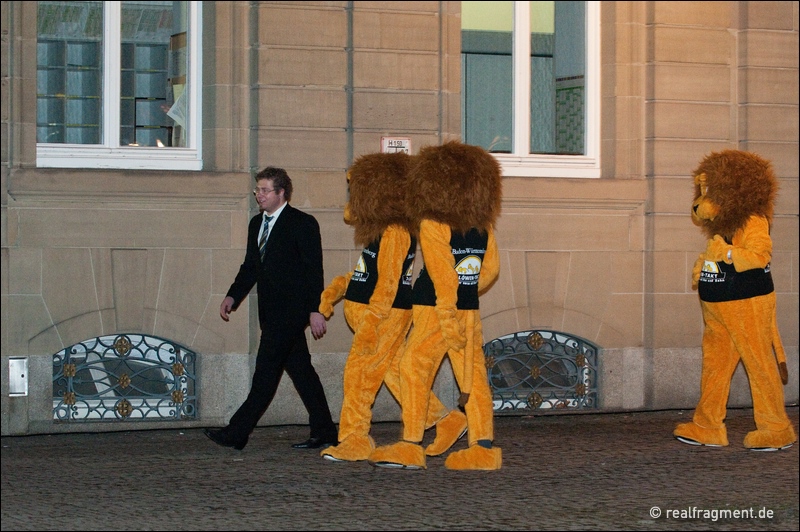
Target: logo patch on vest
pixel 711 273
pixel 469 270
pixel 360 273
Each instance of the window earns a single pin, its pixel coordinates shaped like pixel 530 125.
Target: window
pixel 118 85
pixel 530 85
pixel 124 377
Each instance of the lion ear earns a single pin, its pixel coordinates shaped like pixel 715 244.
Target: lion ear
pixel 700 181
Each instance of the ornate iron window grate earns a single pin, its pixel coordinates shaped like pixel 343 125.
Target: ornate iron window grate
pixel 124 377
pixel 541 369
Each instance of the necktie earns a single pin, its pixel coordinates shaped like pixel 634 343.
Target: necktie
pixel 262 242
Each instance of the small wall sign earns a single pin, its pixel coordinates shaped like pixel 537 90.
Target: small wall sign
pixel 395 144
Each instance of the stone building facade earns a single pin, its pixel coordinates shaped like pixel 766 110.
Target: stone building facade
pixel 309 86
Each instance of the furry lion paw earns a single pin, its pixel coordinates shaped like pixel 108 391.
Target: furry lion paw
pixel 400 455
pixel 331 295
pixel 449 430
pixel 697 270
pixel 453 334
pixel 326 309
pixel 717 249
pixel 475 457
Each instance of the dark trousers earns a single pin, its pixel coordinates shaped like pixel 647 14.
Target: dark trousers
pixel 276 353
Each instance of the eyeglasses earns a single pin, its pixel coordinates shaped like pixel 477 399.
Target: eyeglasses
pixel 264 191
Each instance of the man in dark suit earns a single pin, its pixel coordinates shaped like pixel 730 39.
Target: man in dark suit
pixel 284 258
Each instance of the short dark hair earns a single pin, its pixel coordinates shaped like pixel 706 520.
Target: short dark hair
pixel 280 179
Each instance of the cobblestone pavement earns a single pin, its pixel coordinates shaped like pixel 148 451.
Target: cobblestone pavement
pixel 560 472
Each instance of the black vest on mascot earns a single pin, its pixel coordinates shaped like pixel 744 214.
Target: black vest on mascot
pixel 365 276
pixel 468 252
pixel 720 281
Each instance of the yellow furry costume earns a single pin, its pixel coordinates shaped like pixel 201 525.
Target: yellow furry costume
pixel 378 305
pixel 734 197
pixel 456 194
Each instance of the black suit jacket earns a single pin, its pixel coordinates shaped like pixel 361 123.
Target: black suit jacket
pixel 291 279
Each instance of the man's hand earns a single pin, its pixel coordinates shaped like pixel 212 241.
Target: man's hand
pixel 226 307
pixel 318 325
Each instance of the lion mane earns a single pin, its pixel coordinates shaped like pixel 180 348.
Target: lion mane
pixel 377 187
pixel 739 185
pixel 456 184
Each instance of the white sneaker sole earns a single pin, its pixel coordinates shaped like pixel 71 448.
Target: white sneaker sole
pixel 770 449
pixel 695 442
pixel 393 465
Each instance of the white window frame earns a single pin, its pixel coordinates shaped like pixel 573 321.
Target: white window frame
pixel 110 154
pixel 521 162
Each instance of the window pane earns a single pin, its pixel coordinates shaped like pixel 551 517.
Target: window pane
pixel 487 76
pixel 543 88
pixel 569 70
pixel 69 80
pixel 153 59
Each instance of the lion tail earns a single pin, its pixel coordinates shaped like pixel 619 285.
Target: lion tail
pixel 469 371
pixel 777 345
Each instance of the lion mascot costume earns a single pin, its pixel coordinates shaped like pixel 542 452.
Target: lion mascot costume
pixel 734 197
pixel 377 304
pixel 455 192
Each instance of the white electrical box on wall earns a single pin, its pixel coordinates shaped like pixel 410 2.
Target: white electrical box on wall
pixel 17 376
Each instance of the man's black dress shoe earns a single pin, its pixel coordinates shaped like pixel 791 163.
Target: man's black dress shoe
pixel 220 438
pixel 316 443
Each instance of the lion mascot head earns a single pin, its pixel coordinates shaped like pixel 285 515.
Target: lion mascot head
pixel 377 185
pixel 456 184
pixel 729 187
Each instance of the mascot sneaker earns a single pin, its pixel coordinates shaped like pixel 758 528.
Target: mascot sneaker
pixel 770 440
pixel 352 449
pixel 694 434
pixel 400 455
pixel 475 457
pixel 449 430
